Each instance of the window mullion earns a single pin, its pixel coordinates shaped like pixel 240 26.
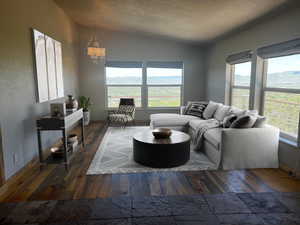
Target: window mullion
pixel 144 94
pixel 231 81
pixel 253 82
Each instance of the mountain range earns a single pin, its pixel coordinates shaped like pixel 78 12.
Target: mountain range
pixel 150 80
pixel 288 79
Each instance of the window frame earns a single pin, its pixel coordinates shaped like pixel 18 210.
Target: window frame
pixel 233 86
pixel 258 57
pixel 144 88
pixel 265 89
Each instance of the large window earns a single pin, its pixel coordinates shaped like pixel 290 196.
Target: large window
pixel 123 80
pixel 151 84
pixel 164 84
pixel 281 93
pixel 240 84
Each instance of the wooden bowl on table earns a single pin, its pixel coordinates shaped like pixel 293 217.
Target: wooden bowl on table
pixel 161 133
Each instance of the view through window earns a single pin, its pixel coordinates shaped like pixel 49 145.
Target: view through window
pixel 159 86
pixel 123 82
pixel 282 93
pixel 240 87
pixel 164 87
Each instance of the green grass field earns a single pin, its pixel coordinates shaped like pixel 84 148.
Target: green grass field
pixel 157 96
pixel 281 109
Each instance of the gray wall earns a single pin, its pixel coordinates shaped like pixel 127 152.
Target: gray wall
pixel 133 47
pixel 272 30
pixel 18 107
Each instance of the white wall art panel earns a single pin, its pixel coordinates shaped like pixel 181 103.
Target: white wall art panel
pixel 50 51
pixel 49 68
pixel 41 66
pixel 59 70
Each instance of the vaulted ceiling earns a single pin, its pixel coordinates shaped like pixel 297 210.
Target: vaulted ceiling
pixel 188 20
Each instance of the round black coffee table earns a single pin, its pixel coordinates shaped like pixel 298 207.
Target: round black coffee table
pixel 161 153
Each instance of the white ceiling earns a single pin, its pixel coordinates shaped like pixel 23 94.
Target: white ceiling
pixel 187 20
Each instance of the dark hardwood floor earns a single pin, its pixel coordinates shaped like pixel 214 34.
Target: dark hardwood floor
pixel 54 183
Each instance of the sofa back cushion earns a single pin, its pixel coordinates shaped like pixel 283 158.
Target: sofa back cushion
pixel 221 112
pixel 210 109
pixel 244 121
pixel 196 109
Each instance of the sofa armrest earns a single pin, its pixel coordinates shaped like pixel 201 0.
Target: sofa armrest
pixel 182 110
pixel 249 148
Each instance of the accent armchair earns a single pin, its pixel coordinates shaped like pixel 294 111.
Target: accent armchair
pixel 124 114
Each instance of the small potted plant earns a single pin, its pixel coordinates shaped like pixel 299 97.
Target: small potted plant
pixel 85 104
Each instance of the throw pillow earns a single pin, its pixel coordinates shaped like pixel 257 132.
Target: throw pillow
pixel 260 122
pixel 185 108
pixel 244 121
pixel 189 103
pixel 210 110
pixel 228 120
pixel 221 112
pixel 196 109
pixel 236 111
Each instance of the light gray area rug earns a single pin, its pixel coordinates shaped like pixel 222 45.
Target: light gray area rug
pixel 115 155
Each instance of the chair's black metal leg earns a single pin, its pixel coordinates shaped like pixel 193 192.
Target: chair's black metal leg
pixel 124 123
pixel 82 133
pixel 108 121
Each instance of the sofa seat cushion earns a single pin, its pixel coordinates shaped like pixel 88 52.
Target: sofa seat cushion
pixel 120 117
pixel 170 119
pixel 213 136
pixel 195 124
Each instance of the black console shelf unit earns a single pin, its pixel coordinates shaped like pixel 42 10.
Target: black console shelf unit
pixel 48 123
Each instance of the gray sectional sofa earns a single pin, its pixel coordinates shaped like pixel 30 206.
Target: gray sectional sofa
pixel 228 148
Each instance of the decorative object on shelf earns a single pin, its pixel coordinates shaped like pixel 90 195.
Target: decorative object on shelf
pixel 85 104
pixel 160 133
pixel 57 152
pixel 72 146
pixel 48 67
pixel 72 138
pixel 71 104
pixel 58 109
pixel 72 142
pixel 94 51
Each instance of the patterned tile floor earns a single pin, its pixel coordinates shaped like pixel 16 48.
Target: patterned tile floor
pixel 219 209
